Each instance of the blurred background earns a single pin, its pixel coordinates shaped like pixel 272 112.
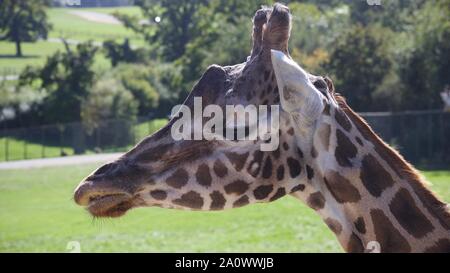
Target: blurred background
pixel 93 77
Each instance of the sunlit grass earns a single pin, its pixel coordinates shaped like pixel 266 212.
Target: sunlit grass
pixel 37 214
pixel 68 25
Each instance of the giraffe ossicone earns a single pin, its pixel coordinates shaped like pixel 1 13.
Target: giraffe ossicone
pixel 328 157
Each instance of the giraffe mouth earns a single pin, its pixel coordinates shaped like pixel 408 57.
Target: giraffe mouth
pixel 111 205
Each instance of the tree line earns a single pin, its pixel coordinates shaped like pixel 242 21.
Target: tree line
pixel 391 57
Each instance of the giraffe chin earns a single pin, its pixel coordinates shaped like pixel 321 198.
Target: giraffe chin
pixel 114 205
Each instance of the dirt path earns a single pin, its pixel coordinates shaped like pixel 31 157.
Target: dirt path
pixel 97 17
pixel 58 161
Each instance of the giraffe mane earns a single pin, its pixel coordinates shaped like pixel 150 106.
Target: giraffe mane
pixel 402 168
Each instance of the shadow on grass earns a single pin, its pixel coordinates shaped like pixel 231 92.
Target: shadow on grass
pixel 13 56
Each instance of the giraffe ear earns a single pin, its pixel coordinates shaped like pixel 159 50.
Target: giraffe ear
pixel 298 95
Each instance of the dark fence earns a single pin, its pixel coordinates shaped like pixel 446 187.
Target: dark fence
pixel 73 138
pixel 423 138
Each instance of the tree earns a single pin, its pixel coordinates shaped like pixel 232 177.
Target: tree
pixel 139 80
pixel 16 102
pixel 358 64
pixel 395 15
pixel 67 77
pixel 108 112
pixel 221 41
pixel 108 99
pixel 23 21
pixel 124 53
pixel 170 24
pixel 426 68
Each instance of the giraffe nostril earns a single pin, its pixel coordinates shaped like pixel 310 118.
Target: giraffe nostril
pixel 81 195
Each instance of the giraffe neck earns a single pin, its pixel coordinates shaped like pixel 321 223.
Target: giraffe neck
pixel 372 198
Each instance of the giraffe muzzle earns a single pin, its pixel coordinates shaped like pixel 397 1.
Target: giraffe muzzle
pixel 103 202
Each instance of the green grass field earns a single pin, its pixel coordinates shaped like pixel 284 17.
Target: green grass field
pixel 67 24
pixel 70 26
pixel 34 54
pixel 37 214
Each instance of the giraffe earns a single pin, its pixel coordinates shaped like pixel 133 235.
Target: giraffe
pixel 220 174
pixel 366 192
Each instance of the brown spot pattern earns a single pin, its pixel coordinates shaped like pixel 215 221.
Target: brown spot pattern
pixel 334 225
pixel 218 201
pixel 359 141
pixel 242 201
pixel 178 179
pixel 267 169
pixel 220 169
pixel 266 75
pixel 408 214
pixel 316 201
pixel 299 187
pixel 278 194
pixel 280 172
pixel 276 153
pixel 190 199
pixel 238 160
pixel 255 165
pixel 391 160
pixel 237 187
pixel 441 246
pixel 291 131
pixel 387 235
pixel 262 192
pixel 343 120
pixel 355 244
pixel 294 167
pixel 203 175
pixel 374 177
pixel 345 149
pixel 309 172
pixel 360 225
pixel 158 194
pixel 341 189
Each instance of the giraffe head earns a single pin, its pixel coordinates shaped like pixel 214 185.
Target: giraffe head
pixel 208 174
